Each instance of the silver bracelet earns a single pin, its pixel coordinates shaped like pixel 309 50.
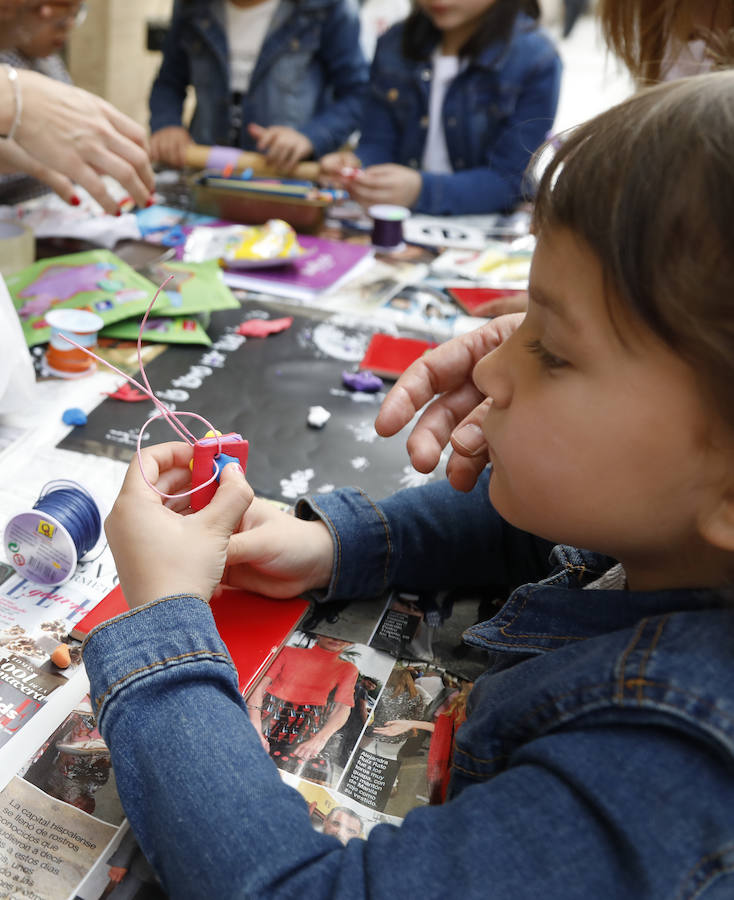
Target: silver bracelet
pixel 17 97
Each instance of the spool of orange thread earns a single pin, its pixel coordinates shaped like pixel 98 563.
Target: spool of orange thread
pixel 83 326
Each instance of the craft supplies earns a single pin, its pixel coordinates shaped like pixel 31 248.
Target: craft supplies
pixel 387 226
pixel 253 202
pixel 45 543
pixel 234 161
pixel 61 359
pixel 245 246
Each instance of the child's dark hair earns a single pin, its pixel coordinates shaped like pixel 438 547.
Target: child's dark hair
pixel 649 186
pixel 420 35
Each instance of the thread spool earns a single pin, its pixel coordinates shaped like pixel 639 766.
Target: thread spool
pixel 45 543
pixel 387 226
pixel 62 359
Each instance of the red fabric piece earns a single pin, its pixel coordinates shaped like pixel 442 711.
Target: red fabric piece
pixel 264 327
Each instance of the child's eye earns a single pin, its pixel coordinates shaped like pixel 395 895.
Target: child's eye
pixel 547 359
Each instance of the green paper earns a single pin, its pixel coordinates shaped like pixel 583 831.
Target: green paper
pixel 160 330
pixel 195 288
pixel 73 282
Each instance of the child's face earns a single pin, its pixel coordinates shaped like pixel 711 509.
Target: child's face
pixel 456 18
pixel 595 443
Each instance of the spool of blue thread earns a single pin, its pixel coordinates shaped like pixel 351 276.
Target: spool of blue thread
pixel 45 544
pixel 387 226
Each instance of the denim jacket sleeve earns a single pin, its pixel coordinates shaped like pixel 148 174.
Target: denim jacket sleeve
pixel 426 538
pixel 214 818
pixel 169 87
pixel 347 74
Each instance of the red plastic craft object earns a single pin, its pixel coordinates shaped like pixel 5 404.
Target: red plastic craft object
pixel 204 452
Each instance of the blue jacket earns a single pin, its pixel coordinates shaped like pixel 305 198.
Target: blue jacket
pixel 597 759
pixel 496 113
pixel 310 74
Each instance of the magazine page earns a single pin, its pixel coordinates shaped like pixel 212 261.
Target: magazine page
pixel 35 621
pixel 373 733
pixel 61 818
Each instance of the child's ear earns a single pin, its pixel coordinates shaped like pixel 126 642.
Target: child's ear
pixel 717 527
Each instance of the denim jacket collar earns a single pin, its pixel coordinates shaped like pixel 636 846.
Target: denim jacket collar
pixel 552 613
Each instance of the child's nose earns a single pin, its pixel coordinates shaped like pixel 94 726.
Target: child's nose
pixel 491 377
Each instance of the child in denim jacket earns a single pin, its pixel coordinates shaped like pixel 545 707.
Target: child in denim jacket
pixel 597 756
pixel 285 77
pixel 461 96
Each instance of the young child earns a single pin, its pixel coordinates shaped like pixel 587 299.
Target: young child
pixel 597 754
pixel 461 95
pixel 282 77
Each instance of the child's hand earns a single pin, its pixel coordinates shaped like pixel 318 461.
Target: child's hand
pixel 446 373
pixel 283 146
pixel 386 183
pixel 159 552
pixel 168 146
pixel 339 168
pixel 276 554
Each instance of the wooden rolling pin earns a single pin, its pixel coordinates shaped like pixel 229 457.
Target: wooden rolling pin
pixel 200 157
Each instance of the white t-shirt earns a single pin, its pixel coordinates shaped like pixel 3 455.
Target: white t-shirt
pixel 435 154
pixel 246 30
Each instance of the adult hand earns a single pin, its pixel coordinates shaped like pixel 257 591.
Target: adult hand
pixel 274 553
pixel 14 159
pixel 79 135
pixel 386 183
pixel 456 413
pixel 283 146
pixel 158 551
pixel 168 146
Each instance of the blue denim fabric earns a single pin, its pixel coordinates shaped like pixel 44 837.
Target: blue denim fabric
pixel 597 759
pixel 311 73
pixel 496 113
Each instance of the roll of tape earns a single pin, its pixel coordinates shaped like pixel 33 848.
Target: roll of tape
pixel 17 247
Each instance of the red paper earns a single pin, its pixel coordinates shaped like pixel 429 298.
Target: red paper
pixel 389 356
pixel 471 297
pixel 253 627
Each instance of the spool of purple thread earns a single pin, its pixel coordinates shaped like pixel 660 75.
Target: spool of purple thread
pixel 387 226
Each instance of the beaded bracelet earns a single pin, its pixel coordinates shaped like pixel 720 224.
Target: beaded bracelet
pixel 17 97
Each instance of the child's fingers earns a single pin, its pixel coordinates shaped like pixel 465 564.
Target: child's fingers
pixel 230 501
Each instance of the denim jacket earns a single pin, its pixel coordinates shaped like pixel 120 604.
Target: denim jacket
pixel 311 73
pixel 496 113
pixel 597 759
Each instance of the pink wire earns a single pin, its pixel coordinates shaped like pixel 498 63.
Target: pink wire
pixel 163 412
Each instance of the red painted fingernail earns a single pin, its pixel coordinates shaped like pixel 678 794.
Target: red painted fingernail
pixel 150 201
pixel 118 212
pixel 74 200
